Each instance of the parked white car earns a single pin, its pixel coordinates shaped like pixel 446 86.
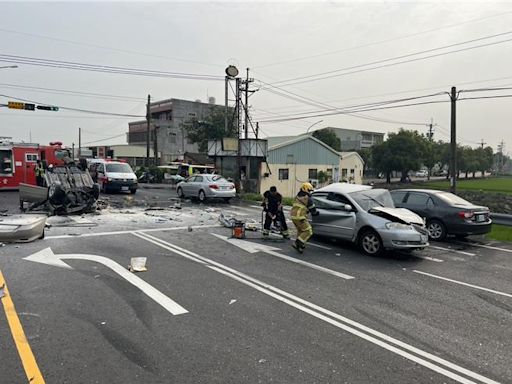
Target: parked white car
pixel 206 186
pixel 421 173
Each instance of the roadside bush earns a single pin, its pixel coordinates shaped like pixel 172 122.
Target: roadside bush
pixel 288 201
pixel 251 197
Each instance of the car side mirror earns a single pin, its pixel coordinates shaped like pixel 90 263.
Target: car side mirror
pixel 347 207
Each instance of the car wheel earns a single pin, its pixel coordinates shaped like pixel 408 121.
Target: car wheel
pixel 436 230
pixel 201 196
pixel 370 243
pixel 133 191
pixel 180 193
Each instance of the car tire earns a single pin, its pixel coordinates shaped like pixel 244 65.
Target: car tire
pixel 133 191
pixel 370 243
pixel 436 230
pixel 180 193
pixel 201 196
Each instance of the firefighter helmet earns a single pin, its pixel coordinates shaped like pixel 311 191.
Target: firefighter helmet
pixel 306 187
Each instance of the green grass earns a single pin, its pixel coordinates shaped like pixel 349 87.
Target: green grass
pixel 258 197
pixel 491 184
pixel 251 197
pixel 500 233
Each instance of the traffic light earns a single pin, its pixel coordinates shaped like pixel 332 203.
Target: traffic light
pixel 47 108
pixel 15 105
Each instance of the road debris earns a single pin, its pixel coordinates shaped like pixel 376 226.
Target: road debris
pixel 137 264
pixel 233 301
pixel 2 292
pixel 22 228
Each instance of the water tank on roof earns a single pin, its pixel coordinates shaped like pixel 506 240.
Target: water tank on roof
pixel 211 100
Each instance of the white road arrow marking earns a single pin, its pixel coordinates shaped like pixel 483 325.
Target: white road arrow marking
pixel 253 247
pixel 46 256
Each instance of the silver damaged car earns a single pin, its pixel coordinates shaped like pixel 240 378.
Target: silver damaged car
pixel 367 217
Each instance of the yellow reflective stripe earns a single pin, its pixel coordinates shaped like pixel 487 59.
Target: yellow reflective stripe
pixel 298 217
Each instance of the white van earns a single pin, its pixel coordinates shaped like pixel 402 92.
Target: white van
pixel 113 175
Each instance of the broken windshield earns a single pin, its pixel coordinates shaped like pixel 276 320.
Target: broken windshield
pixel 373 198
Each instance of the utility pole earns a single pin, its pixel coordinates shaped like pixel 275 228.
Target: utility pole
pixel 430 131
pixel 482 144
pixel 501 147
pixel 453 142
pixel 148 124
pixel 257 129
pixel 238 112
pixel 73 146
pixel 79 142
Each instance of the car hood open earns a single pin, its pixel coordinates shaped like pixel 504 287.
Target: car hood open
pixel 400 215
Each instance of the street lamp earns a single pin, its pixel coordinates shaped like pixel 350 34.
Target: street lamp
pixel 9 66
pixel 312 125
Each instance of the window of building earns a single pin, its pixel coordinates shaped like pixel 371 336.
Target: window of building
pixel 31 157
pixel 283 173
pixel 312 173
pixel 344 172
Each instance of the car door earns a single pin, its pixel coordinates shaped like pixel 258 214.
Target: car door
pixel 186 186
pixel 194 185
pixel 334 219
pixel 420 203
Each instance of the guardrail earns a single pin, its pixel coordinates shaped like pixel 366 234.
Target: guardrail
pixel 501 218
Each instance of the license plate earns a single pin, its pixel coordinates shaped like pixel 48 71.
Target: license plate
pixel 224 187
pixel 124 188
pixel 480 218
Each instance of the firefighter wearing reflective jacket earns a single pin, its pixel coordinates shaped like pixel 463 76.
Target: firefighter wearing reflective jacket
pixel 273 209
pixel 303 204
pixel 39 171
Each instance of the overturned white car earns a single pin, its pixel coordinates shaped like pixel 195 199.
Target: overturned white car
pixel 368 217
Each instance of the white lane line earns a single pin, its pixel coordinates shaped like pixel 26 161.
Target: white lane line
pixel 387 342
pixel 489 247
pixel 453 250
pixel 429 258
pixel 257 247
pixel 130 231
pixel 315 245
pixel 462 283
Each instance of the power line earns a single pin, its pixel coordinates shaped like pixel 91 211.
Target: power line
pixel 334 73
pixel 104 68
pixel 361 110
pixel 381 41
pixel 74 109
pixel 72 93
pixel 486 97
pixel 105 138
pixel 107 48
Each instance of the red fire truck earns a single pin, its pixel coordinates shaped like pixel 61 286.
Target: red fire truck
pixel 18 161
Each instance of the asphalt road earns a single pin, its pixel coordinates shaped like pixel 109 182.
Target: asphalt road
pixel 211 309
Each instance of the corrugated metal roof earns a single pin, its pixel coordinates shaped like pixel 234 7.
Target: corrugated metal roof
pixel 303 150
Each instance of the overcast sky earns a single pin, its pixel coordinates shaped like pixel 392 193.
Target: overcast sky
pixel 277 41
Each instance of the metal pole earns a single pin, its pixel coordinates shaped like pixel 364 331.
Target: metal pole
pixel 237 107
pixel 453 142
pixel 247 105
pixel 226 105
pixel 148 123
pixel 79 142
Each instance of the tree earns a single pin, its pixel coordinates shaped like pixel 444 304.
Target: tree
pixel 403 151
pixel 366 155
pixel 328 136
pixel 432 155
pixel 209 128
